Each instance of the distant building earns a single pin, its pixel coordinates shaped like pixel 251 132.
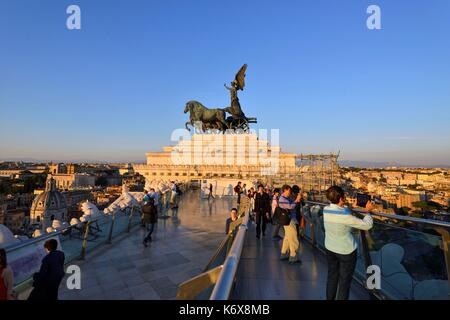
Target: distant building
pixel 127 169
pixel 19 173
pixel 14 220
pixel 75 197
pixel 67 176
pixel 70 181
pixel 407 200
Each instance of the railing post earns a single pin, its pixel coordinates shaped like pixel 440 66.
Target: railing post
pixel 113 219
pixel 445 235
pixel 367 259
pixel 130 216
pixel 312 227
pixel 84 244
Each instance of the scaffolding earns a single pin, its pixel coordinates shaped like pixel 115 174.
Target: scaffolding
pixel 317 172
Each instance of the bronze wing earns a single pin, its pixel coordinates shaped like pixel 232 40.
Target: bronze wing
pixel 240 77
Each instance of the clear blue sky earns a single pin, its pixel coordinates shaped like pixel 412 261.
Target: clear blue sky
pixel 117 88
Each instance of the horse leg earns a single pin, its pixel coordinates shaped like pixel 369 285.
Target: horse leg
pixel 223 123
pixel 186 125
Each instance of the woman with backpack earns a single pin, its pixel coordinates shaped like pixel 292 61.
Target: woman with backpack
pixel 6 278
pixel 286 208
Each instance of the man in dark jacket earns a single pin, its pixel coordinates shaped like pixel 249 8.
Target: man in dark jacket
pixel 46 282
pixel 150 217
pixel 238 191
pixel 262 211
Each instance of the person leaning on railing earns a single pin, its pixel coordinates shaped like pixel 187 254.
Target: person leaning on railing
pixel 340 244
pixel 46 282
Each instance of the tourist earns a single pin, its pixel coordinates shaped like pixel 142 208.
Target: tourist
pixel 268 191
pixel 251 197
pixel 275 197
pixel 210 195
pixel 150 218
pixel 6 278
pixel 173 195
pixel 155 196
pixel 231 219
pixel 46 282
pixel 238 191
pixel 289 249
pixel 244 189
pixel 298 208
pixel 262 211
pixel 144 199
pixel 340 246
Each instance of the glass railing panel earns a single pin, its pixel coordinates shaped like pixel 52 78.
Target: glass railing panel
pixel 319 229
pixel 412 262
pixel 219 256
pixel 120 223
pixel 98 233
pixel 360 270
pixel 71 240
pixel 409 255
pixel 307 216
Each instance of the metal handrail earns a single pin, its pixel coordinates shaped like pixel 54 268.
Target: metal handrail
pixel 17 246
pixel 226 278
pixel 391 216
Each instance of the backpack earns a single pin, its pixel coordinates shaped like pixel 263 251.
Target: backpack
pixel 148 205
pixel 282 216
pixel 3 289
pixel 236 189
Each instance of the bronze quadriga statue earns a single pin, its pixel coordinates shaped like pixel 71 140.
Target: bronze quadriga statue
pixel 215 119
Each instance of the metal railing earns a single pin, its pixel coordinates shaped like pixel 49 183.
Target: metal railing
pixel 220 272
pixel 78 240
pixel 413 255
pixel 225 282
pixel 421 248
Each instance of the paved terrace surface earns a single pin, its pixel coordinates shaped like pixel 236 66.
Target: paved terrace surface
pixel 262 276
pixel 181 248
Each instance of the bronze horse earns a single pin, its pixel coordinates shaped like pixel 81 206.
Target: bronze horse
pixel 210 118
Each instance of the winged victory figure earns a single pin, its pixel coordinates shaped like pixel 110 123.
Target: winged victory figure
pixel 237 84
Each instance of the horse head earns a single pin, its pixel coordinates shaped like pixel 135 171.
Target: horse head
pixel 188 107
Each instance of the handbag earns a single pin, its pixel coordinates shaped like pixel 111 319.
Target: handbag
pixel 282 216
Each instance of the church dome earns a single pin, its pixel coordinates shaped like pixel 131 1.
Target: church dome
pixel 49 205
pixel 50 199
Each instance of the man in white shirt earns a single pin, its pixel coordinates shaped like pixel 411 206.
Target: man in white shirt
pixel 341 247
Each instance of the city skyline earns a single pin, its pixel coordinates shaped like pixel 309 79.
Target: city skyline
pixel 116 88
